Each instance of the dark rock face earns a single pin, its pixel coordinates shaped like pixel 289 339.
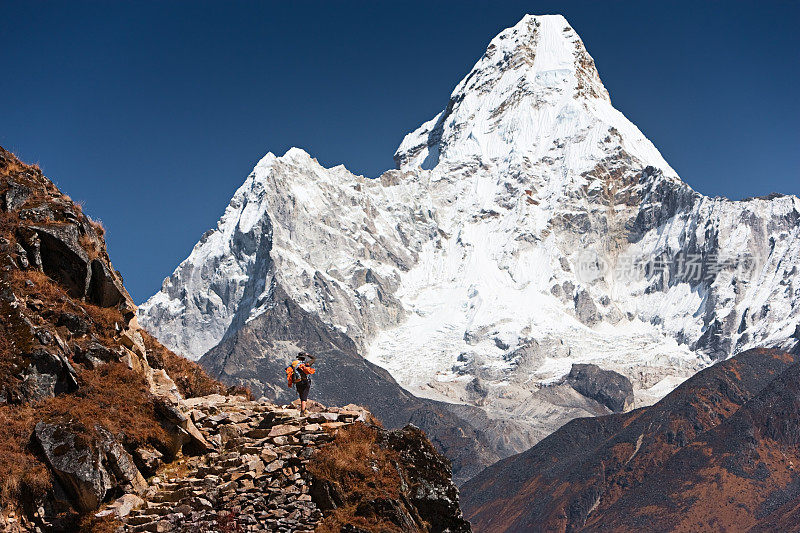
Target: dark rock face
pixel 664 201
pixel 717 453
pixel 63 259
pixel 48 374
pixel 428 480
pixel 586 309
pixel 256 355
pixel 605 386
pixel 76 324
pixel 77 465
pixel 15 196
pixel 94 355
pixel 120 464
pixel 105 287
pixel 427 499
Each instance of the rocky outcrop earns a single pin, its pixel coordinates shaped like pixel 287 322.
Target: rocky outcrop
pixel 84 413
pixel 52 237
pixel 257 477
pixel 86 421
pixel 78 466
pixel 427 481
pixel 87 470
pixel 717 453
pixel 610 388
pixel 404 485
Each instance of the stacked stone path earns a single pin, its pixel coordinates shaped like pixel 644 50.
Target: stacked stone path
pixel 254 478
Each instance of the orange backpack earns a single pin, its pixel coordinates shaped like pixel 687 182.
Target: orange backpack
pixel 297 372
pixel 293 373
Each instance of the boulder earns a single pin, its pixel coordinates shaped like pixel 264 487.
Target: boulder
pixel 32 245
pixel 427 475
pixel 163 386
pixel 75 463
pixel 22 257
pixel 94 355
pixel 133 340
pixel 585 308
pixel 183 430
pixel 326 494
pixel 88 469
pixel 122 507
pixel 120 463
pixel 76 324
pixel 605 386
pixel 148 459
pixel 388 509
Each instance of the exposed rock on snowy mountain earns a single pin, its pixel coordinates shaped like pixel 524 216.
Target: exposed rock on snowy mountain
pixel 606 386
pixel 529 226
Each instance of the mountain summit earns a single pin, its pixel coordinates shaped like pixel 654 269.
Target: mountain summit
pixel 528 227
pixel 501 107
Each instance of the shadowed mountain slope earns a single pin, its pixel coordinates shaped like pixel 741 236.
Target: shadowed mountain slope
pixel 719 451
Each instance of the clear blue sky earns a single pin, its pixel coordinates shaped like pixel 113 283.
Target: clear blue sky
pixel 152 114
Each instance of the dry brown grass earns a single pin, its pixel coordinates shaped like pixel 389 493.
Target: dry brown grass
pixel 111 396
pixel 103 320
pixel 191 379
pixel 362 471
pixel 114 397
pixel 30 175
pixel 15 166
pixel 16 338
pixel 98 226
pixel 22 475
pixel 43 288
pixel 91 246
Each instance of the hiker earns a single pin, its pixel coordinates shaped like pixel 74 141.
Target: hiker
pixel 299 375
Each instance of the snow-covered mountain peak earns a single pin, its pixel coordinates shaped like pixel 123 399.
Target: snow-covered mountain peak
pixel 543 50
pixel 297 154
pixel 535 77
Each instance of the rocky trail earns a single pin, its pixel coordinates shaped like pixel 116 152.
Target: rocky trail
pixel 255 478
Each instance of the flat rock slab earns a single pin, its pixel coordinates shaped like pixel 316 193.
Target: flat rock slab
pixel 283 429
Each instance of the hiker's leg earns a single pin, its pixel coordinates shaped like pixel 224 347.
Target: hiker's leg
pixel 303 397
